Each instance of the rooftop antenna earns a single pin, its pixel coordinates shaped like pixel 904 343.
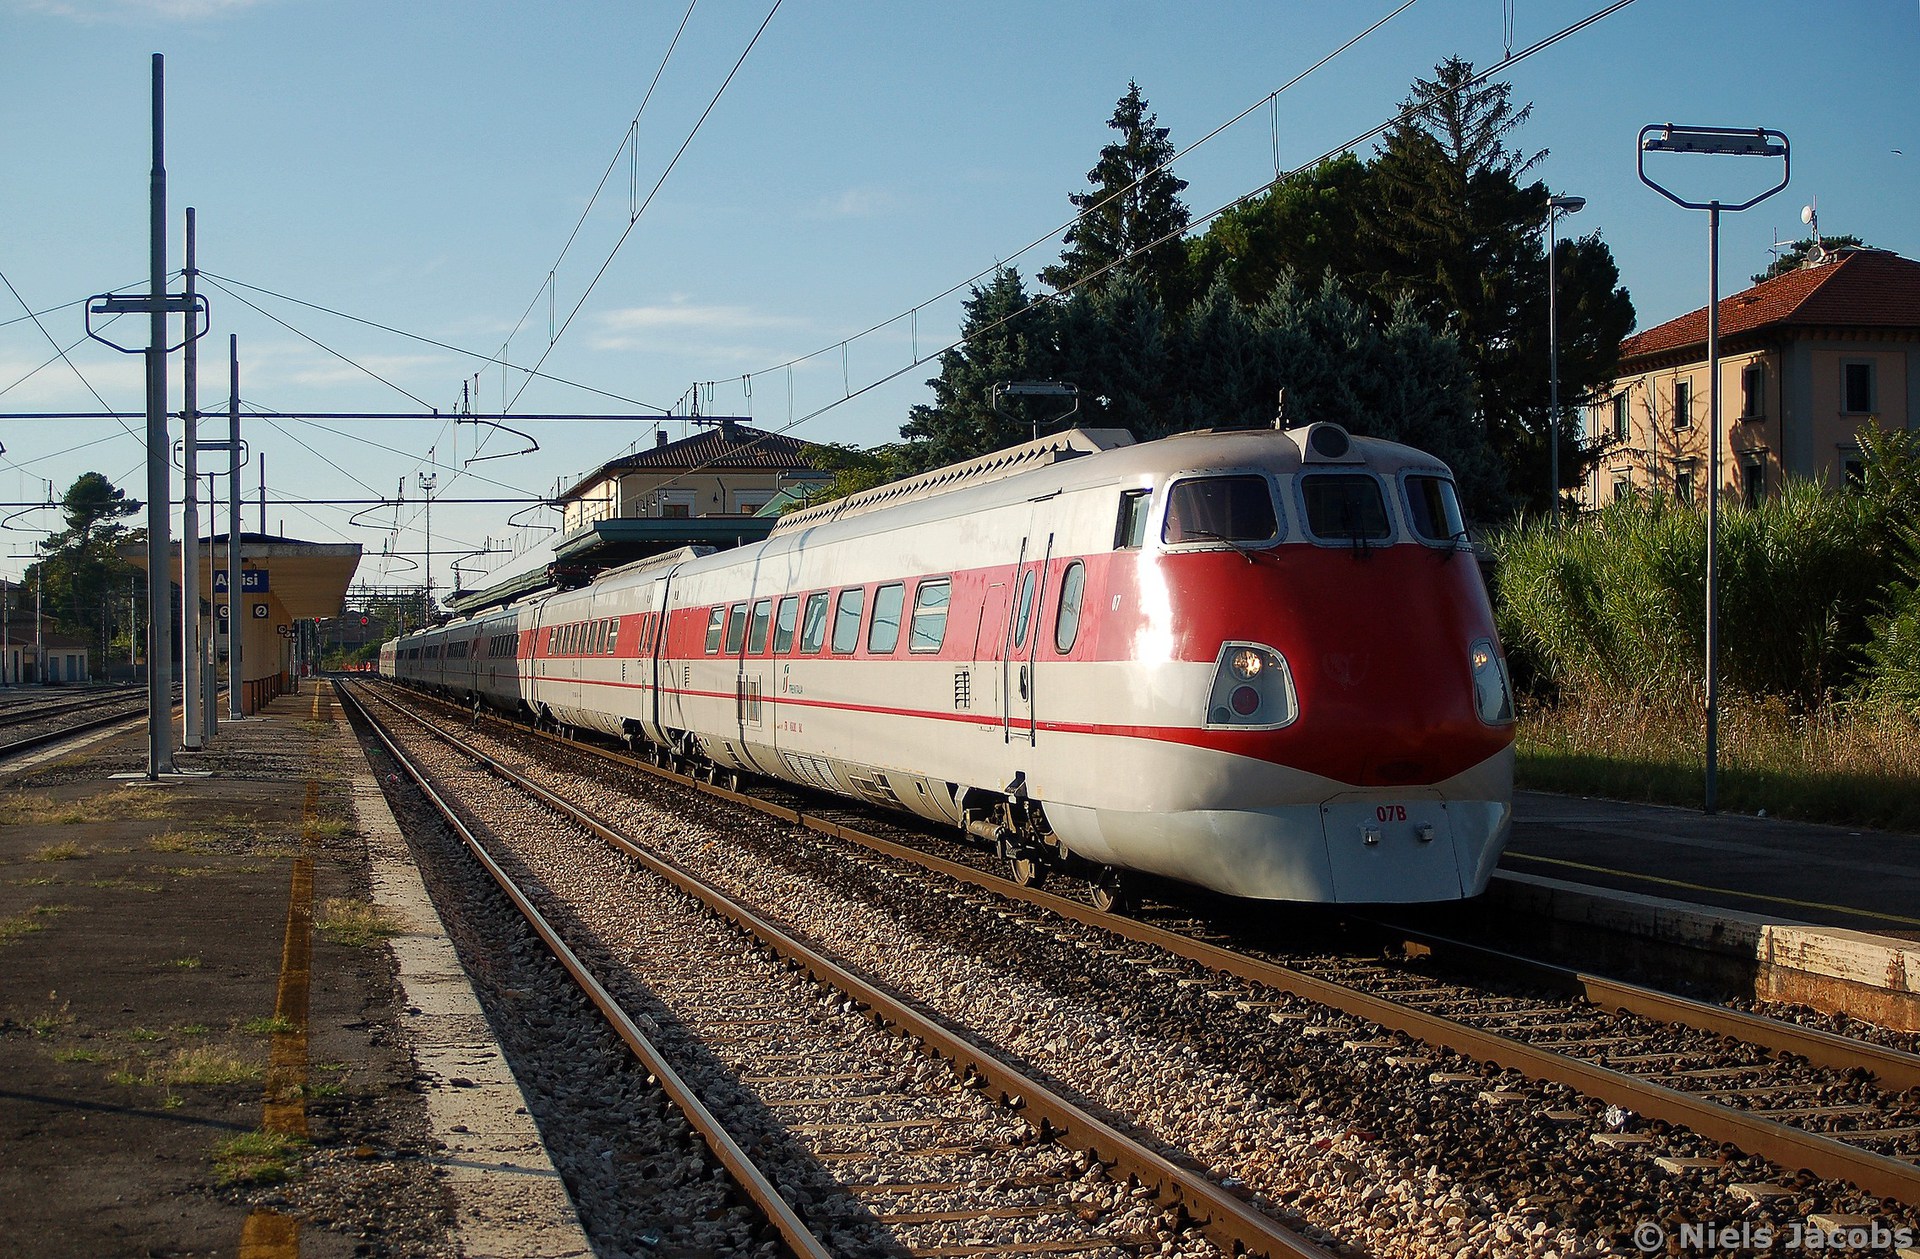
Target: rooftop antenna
pixel 1810 215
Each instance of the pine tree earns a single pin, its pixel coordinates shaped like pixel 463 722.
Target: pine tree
pixel 1134 211
pixel 1461 237
pixel 1004 341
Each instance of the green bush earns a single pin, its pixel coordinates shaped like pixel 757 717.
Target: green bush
pixel 1811 604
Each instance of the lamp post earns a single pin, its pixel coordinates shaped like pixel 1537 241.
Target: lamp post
pixel 1733 142
pixel 1556 206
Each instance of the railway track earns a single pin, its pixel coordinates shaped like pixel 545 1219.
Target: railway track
pixel 853 1119
pixel 1845 1110
pixel 40 726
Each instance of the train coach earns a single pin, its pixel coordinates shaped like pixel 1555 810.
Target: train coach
pixel 1258 661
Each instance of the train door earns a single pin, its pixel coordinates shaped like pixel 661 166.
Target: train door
pixel 1022 626
pixel 985 683
pixel 750 678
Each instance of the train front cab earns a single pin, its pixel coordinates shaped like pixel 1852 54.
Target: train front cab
pixel 1330 635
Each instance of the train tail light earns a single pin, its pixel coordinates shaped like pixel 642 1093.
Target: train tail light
pixel 1252 689
pixel 1492 687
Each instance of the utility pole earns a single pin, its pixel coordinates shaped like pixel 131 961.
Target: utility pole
pixel 234 602
pixel 39 639
pixel 210 668
pixel 6 643
pixel 263 491
pixel 427 481
pixel 159 587
pixel 192 737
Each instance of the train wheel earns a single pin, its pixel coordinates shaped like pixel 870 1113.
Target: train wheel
pixel 1027 871
pixel 1113 891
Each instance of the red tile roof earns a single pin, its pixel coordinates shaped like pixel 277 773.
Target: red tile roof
pixel 728 446
pixel 1864 288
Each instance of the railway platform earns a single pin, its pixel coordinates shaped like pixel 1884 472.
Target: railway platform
pixel 230 1023
pixel 1826 916
pixel 1835 876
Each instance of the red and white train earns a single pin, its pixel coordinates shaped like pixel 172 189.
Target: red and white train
pixel 1262 662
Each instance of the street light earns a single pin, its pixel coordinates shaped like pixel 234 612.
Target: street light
pixel 1556 206
pixel 1733 142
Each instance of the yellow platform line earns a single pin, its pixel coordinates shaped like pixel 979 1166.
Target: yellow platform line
pixel 268 1234
pixel 1722 891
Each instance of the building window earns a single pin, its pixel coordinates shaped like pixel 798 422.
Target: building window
pixel 1753 480
pixel 1620 416
pixel 1854 472
pixel 1683 484
pixel 1753 385
pixel 1856 388
pixel 1682 403
pixel 1622 486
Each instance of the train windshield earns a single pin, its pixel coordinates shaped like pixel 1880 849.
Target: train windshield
pixel 1220 509
pixel 1434 510
pixel 1345 507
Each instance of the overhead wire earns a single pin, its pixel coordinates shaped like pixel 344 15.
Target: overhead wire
pixel 318 344
pixel 1269 100
pixel 78 375
pixel 630 134
pixel 642 209
pixel 1399 118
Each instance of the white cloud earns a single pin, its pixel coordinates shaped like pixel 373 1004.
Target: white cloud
pixel 860 202
pixel 679 323
pixel 92 11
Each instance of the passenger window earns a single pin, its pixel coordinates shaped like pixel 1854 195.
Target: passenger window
pixel 813 630
pixel 1220 509
pixel 1024 612
pixel 1345 507
pixel 846 620
pixel 736 627
pixel 783 621
pixel 1066 622
pixel 1434 510
pixel 883 635
pixel 929 615
pixel 613 635
pixel 716 623
pixel 757 635
pixel 1131 532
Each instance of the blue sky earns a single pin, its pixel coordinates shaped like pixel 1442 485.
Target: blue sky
pixel 421 166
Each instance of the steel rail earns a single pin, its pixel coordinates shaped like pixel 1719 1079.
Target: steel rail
pixel 758 1186
pixel 1226 1220
pixel 31 742
pixel 1788 1146
pixel 1895 1069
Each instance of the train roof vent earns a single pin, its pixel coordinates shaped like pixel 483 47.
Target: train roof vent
pixel 1324 443
pixel 1053 448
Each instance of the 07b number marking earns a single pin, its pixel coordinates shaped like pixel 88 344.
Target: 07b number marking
pixel 1391 813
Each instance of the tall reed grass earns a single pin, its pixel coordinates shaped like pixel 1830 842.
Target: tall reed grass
pixel 1605 624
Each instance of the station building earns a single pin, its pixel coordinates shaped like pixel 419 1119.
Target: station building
pixel 1807 359
pixel 284 583
pixel 717 488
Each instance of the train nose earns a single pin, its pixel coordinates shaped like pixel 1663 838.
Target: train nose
pixel 1398 850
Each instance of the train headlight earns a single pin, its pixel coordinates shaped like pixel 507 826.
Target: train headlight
pixel 1252 689
pixel 1492 688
